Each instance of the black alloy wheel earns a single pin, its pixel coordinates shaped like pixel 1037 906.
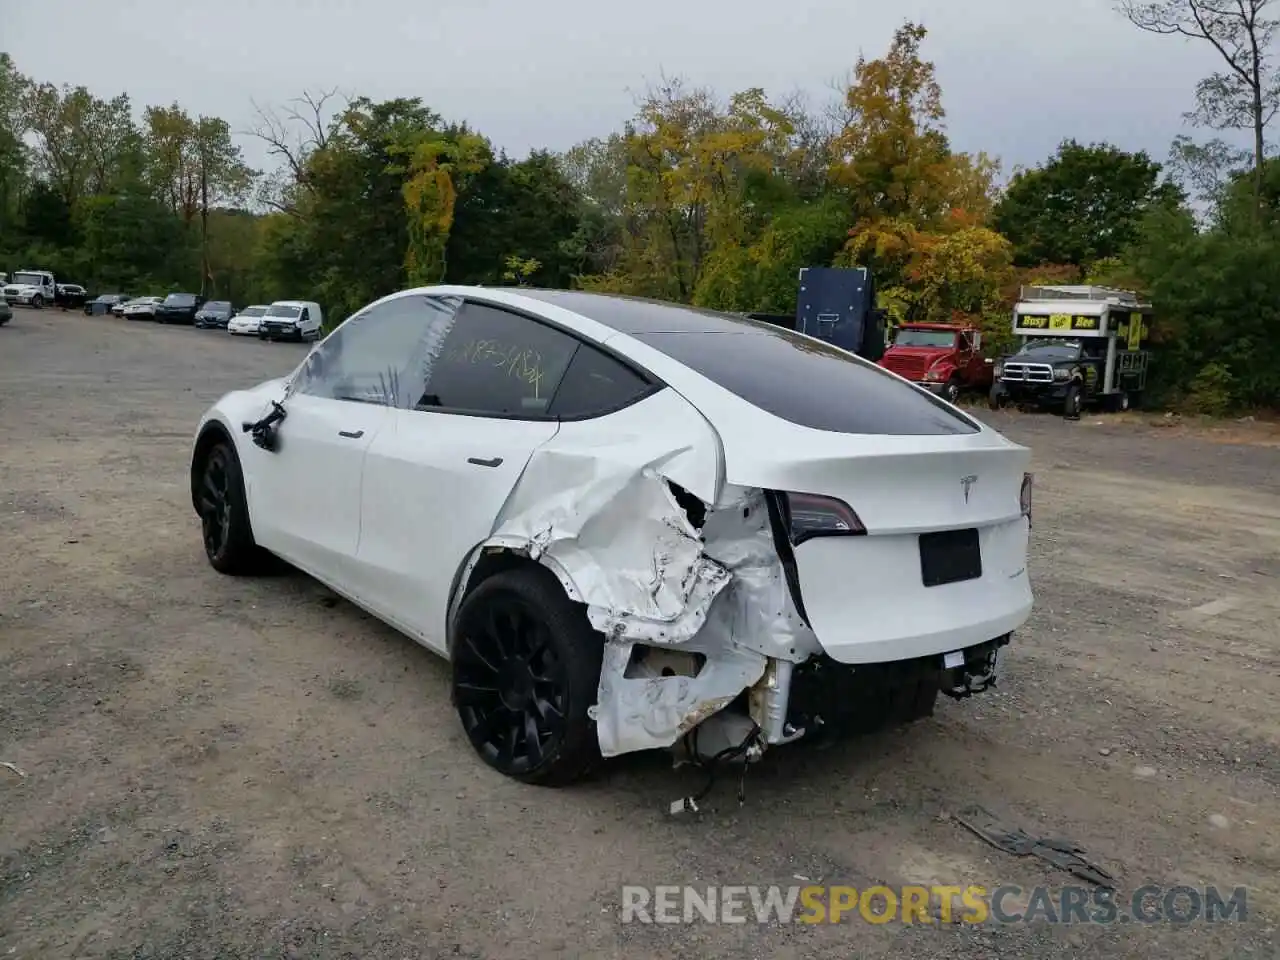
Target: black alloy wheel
pixel 224 515
pixel 510 687
pixel 215 505
pixel 526 666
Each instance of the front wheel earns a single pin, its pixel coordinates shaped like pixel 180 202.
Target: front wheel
pixel 951 392
pixel 526 667
pixel 38 302
pixel 224 513
pixel 997 399
pixel 1073 402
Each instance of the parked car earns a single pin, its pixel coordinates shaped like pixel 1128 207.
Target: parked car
pixel 70 295
pixel 142 308
pixel 246 321
pixel 649 526
pixel 6 312
pixel 215 314
pixel 291 320
pixel 179 308
pixel 117 309
pixel 104 304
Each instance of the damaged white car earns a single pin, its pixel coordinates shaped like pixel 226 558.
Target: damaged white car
pixel 628 524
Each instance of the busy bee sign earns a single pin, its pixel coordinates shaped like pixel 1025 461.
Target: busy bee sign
pixel 1056 323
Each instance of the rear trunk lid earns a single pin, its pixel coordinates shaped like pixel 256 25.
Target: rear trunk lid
pixel 942 564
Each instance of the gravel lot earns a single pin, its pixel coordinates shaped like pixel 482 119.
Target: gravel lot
pixel 239 768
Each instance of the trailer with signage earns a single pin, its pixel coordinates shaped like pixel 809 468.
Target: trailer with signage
pixel 1078 346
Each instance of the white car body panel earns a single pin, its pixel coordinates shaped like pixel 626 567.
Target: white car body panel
pixel 426 451
pixel 304 500
pixel 592 500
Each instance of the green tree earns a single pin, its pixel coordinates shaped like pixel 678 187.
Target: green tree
pixel 1084 204
pixel 13 149
pixel 524 208
pixel 223 176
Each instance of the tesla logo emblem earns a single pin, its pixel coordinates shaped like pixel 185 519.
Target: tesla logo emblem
pixel 966 483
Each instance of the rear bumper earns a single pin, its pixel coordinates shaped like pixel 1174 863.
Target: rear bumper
pixel 827 694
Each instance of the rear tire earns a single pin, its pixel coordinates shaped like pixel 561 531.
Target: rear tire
pixel 1118 402
pixel 224 514
pixel 526 668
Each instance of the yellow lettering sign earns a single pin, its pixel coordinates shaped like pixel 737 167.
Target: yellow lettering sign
pixel 1135 331
pixel 1084 323
pixel 1034 323
pixel 1060 321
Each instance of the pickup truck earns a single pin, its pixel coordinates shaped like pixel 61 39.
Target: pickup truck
pixel 944 358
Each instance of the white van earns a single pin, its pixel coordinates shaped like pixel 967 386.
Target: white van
pixel 291 320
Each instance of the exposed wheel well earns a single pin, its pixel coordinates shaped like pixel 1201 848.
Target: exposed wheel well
pixel 213 434
pixel 491 563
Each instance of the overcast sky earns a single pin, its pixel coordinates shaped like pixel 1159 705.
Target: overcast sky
pixel 1017 75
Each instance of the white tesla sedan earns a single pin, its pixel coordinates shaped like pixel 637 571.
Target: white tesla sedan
pixel 630 524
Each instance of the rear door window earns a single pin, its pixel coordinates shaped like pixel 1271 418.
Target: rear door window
pixel 497 363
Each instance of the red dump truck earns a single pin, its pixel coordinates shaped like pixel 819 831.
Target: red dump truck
pixel 942 357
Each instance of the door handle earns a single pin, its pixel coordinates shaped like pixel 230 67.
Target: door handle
pixel 495 462
pixel 351 434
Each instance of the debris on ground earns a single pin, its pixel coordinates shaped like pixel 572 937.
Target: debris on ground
pixel 12 766
pixel 1060 853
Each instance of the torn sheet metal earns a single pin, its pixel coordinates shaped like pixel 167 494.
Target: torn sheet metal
pixel 618 539
pixel 622 545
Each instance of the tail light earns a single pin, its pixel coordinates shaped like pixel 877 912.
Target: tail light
pixel 810 515
pixel 1024 496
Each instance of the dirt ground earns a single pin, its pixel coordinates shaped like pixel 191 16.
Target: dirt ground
pixel 219 767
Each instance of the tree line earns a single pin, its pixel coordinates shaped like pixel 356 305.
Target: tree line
pixel 701 199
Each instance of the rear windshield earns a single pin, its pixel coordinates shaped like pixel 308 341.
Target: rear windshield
pixel 811 383
pixel 180 299
pixel 283 310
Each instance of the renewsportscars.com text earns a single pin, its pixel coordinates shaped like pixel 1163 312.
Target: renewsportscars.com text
pixel 931 904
